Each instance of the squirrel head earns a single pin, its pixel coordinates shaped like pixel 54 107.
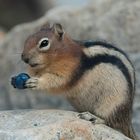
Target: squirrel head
pixel 50 48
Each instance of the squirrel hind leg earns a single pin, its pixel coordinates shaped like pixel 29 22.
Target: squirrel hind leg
pixel 132 134
pixel 123 125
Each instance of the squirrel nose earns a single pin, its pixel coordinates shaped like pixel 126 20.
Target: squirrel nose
pixel 25 58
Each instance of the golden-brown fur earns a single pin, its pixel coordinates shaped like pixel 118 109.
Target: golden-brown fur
pixel 57 63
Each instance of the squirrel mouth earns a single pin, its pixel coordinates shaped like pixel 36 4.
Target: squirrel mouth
pixel 34 65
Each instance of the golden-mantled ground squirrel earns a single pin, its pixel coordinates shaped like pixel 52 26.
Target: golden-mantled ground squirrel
pixel 95 76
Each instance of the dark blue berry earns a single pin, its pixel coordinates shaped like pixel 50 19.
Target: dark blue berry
pixel 20 80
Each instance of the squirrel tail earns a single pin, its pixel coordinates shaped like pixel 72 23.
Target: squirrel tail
pixel 131 134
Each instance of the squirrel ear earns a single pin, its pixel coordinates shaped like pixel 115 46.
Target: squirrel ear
pixel 58 30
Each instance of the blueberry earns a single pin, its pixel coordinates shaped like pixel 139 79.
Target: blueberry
pixel 20 80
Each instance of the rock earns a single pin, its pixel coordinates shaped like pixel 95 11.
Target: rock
pixel 115 21
pixel 52 125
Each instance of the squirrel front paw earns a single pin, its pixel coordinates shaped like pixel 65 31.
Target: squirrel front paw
pixel 32 83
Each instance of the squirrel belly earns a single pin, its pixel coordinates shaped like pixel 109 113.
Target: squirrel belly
pixel 95 76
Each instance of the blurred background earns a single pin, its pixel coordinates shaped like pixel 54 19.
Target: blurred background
pixel 115 21
pixel 13 12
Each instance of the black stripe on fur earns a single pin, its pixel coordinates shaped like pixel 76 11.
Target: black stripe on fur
pixel 88 63
pixel 102 43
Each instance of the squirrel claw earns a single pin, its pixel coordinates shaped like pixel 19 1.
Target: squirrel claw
pixel 32 83
pixel 90 117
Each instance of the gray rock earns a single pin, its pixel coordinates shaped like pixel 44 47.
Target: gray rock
pixel 52 125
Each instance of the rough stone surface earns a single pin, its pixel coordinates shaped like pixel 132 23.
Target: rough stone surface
pixel 116 21
pixel 52 125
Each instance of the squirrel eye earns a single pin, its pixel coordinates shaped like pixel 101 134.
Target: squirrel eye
pixel 44 44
